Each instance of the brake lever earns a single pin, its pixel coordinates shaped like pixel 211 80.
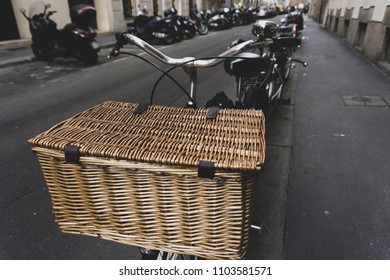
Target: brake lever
pixel 120 41
pixel 235 43
pixel 304 64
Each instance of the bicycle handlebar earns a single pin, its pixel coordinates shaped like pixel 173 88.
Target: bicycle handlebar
pixel 190 62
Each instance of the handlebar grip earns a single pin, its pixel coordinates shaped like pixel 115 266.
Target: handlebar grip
pixel 236 42
pixel 50 13
pixel 120 41
pixel 118 35
pixel 305 64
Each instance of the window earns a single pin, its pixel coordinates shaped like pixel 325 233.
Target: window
pixel 346 26
pixel 361 34
pixel 387 53
pixel 336 25
pixel 127 8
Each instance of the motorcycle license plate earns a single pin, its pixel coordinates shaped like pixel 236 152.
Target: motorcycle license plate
pixel 95 45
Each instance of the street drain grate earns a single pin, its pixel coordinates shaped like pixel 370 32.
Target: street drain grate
pixel 364 100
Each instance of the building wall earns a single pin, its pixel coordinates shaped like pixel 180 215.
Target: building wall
pixel 364 24
pixel 61 17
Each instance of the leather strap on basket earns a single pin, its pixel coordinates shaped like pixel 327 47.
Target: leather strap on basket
pixel 206 169
pixel 212 113
pixel 72 154
pixel 142 107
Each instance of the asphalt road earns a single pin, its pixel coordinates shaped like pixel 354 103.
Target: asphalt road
pixel 339 193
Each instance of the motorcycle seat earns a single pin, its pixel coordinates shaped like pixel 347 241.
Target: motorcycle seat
pixel 287 42
pixel 246 65
pixel 285 28
pixel 142 20
pixel 69 28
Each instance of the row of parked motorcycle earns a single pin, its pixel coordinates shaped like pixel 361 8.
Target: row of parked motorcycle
pixel 78 39
pixel 173 28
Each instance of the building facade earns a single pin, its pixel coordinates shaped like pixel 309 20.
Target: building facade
pixel 364 24
pixel 111 14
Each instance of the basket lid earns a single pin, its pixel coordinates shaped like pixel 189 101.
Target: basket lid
pixel 233 140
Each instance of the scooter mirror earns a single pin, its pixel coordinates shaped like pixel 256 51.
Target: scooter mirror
pixel 47 6
pixel 23 11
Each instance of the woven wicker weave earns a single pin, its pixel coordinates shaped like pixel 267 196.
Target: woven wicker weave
pixel 137 178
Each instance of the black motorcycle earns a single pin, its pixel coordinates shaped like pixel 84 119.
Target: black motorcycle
pixel 199 21
pixel 246 15
pixel 76 40
pixel 163 30
pixel 234 16
pixel 185 25
pixel 261 77
pixel 219 19
pixel 287 29
pixel 296 17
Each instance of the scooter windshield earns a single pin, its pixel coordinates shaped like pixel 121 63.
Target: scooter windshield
pixel 36 8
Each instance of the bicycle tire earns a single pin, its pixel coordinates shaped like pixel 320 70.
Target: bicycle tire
pixel 256 99
pixel 203 29
pixel 287 66
pixel 162 255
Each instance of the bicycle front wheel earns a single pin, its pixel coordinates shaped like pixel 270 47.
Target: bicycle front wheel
pixel 287 65
pixel 256 99
pixel 147 254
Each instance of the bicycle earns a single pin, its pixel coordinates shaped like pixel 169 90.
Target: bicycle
pixel 246 66
pixel 266 87
pixel 170 179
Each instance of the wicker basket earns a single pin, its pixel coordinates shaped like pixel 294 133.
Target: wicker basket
pixel 173 179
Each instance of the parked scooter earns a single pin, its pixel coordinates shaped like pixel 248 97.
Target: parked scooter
pixel 233 15
pixel 199 21
pixel 218 19
pixel 185 25
pixel 76 40
pixel 287 29
pixel 246 15
pixel 296 17
pixel 154 29
pixel 274 61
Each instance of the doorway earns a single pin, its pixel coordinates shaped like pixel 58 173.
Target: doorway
pixel 7 22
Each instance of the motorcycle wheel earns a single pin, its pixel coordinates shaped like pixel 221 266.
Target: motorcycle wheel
pixel 256 99
pixel 236 20
pixel 190 33
pixel 203 29
pixel 90 57
pixel 40 54
pixel 286 67
pixel 170 38
pixel 179 36
pixel 219 27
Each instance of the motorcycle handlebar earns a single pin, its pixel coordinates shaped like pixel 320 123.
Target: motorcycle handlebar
pixel 49 14
pixel 125 38
pixel 24 13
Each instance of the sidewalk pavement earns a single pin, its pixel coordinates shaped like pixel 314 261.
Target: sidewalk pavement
pixel 339 193
pixel 18 51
